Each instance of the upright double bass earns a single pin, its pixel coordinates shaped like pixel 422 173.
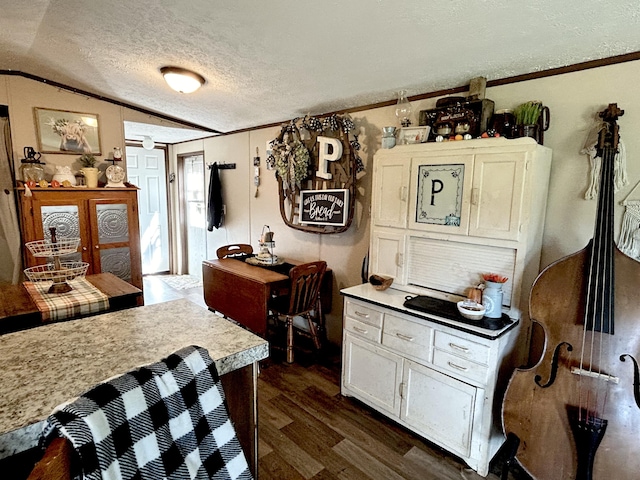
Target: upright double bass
pixel 576 413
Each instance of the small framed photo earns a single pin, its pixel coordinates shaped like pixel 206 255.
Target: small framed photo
pixel 408 135
pixel 61 131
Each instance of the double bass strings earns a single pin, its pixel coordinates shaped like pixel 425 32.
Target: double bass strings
pixel 598 319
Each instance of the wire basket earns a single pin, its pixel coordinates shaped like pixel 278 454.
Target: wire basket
pixel 46 248
pixel 68 271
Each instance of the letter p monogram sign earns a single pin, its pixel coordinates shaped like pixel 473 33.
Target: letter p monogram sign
pixel 330 150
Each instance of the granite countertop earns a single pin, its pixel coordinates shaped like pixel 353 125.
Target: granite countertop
pixel 48 365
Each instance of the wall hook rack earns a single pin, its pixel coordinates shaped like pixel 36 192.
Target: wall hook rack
pixel 223 166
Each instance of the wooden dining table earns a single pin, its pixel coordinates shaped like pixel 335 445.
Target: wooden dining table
pixel 241 291
pixel 18 311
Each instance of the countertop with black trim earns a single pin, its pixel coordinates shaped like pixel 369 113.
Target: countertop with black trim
pixel 395 299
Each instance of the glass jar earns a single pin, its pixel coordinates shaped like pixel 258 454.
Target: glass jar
pixel 32 170
pixel 388 137
pixel 504 123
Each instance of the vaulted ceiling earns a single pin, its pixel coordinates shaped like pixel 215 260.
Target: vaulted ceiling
pixel 270 61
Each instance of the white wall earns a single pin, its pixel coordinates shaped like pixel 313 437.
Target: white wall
pixel 24 94
pixel 574 100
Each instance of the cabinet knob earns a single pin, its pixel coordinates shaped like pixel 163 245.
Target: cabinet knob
pixel 84 249
pixel 97 247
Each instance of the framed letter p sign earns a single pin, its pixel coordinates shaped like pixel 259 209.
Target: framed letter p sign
pixel 439 199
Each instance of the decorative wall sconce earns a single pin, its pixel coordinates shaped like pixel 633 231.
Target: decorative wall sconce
pixel 181 79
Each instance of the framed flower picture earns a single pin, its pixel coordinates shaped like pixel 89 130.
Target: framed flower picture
pixel 61 131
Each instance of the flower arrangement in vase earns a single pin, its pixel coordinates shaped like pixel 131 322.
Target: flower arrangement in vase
pixel 492 294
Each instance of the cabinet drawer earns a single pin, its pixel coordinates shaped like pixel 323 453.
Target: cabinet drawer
pixel 460 366
pixel 362 329
pixel 364 314
pixel 461 347
pixel 407 337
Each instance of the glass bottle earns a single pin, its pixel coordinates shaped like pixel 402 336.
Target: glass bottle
pixel 31 169
pixel 403 109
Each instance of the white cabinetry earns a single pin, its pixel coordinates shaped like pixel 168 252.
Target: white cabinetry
pixel 497 198
pixel 443 214
pixel 391 192
pixel 441 381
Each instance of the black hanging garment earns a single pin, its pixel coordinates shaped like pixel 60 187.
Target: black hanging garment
pixel 214 208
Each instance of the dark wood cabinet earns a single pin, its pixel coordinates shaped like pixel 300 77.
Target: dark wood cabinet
pixel 105 220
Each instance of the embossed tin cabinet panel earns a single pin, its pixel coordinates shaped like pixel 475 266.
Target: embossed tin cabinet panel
pixel 106 220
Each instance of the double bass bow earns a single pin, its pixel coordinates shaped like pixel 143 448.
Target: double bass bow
pixel 576 413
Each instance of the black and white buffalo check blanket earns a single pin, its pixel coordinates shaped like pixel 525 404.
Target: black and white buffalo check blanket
pixel 168 420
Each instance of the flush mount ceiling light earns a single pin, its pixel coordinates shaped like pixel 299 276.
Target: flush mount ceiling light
pixel 148 143
pixel 182 80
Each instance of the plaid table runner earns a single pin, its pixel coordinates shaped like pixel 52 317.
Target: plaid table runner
pixel 84 299
pixel 168 420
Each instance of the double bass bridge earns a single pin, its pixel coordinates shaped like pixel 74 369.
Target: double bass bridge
pixel 591 374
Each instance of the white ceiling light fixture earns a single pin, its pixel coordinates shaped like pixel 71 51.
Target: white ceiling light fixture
pixel 182 80
pixel 148 143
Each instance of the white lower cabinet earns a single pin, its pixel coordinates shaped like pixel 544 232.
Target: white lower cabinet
pixel 439 406
pixel 434 380
pixel 380 390
pixel 419 396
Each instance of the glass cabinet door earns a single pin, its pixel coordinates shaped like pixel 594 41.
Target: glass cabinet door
pixel 105 220
pixel 112 228
pixel 441 193
pixel 68 220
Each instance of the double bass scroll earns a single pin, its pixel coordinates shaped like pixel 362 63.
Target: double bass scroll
pixel 576 413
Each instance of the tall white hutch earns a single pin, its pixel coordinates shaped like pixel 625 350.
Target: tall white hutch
pixel 442 214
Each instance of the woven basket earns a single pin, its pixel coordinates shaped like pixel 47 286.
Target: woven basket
pixel 379 282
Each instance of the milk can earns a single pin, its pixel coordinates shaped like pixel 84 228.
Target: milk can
pixel 492 299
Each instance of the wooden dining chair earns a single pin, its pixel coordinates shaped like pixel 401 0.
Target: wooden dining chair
pixel 303 298
pixel 234 250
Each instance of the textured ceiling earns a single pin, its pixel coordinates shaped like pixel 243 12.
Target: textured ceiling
pixel 269 61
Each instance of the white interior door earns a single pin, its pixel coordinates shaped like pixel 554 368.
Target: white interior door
pixel 195 197
pixel 147 169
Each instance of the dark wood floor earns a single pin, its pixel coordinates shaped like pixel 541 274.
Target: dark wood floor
pixel 308 430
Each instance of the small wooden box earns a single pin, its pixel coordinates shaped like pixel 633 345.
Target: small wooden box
pixel 470 117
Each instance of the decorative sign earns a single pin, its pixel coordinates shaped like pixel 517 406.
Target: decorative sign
pixel 330 150
pixel 316 163
pixel 324 207
pixel 439 199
